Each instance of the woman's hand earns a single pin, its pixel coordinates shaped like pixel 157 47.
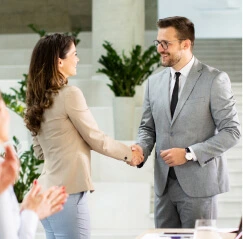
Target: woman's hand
pixel 53 201
pixel 47 203
pixel 9 169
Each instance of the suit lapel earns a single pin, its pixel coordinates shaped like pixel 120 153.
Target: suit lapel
pixel 192 78
pixel 165 92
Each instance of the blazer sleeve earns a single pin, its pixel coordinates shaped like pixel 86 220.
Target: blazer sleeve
pixel 84 122
pixel 37 148
pixel 146 133
pixel 224 113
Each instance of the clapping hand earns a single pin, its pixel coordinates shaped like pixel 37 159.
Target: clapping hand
pixel 47 203
pixel 137 155
pixel 54 199
pixel 9 169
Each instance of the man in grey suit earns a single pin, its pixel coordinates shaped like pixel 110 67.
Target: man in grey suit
pixel 189 113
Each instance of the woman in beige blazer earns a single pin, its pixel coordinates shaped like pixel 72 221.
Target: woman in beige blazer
pixel 64 133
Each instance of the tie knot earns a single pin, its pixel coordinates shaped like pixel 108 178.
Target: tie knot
pixel 177 75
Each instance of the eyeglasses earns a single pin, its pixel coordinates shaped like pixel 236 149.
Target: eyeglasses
pixel 164 43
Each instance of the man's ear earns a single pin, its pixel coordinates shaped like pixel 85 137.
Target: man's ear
pixel 187 44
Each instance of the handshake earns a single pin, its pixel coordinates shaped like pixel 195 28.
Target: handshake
pixel 137 155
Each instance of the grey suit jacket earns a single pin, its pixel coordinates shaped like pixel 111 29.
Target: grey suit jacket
pixel 205 119
pixel 68 134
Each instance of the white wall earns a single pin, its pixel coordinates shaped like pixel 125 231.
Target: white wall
pixel 212 18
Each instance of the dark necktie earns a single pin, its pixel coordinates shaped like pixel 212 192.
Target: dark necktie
pixel 174 98
pixel 173 104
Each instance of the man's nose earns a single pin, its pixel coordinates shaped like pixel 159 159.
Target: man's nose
pixel 160 49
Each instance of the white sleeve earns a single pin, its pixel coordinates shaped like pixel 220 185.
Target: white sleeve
pixel 28 224
pixel 12 224
pixel 9 215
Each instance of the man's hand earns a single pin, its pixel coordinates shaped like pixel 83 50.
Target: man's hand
pixel 137 155
pixel 9 169
pixel 174 156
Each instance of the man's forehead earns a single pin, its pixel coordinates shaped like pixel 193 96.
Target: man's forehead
pixel 166 33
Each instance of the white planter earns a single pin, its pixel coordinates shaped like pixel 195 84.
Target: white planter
pixel 123 113
pixel 139 95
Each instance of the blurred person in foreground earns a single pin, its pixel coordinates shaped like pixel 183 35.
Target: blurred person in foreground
pixel 21 223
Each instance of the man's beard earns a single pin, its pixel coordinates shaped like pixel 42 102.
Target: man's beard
pixel 171 62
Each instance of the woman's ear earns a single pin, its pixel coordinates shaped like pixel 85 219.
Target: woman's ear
pixel 60 62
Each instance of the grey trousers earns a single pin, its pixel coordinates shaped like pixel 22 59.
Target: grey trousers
pixel 175 209
pixel 73 222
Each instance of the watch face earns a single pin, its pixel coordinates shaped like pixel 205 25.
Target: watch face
pixel 189 156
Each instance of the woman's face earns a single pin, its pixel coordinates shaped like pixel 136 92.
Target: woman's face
pixel 68 66
pixel 4 122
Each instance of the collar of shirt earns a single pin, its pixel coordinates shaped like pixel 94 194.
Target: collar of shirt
pixel 184 73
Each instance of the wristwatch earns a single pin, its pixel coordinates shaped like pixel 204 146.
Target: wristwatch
pixel 188 155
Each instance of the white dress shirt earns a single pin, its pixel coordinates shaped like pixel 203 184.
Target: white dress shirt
pixel 183 77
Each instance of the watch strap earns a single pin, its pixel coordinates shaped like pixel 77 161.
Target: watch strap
pixel 188 150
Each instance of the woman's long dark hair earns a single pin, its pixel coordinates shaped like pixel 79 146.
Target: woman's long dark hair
pixel 44 79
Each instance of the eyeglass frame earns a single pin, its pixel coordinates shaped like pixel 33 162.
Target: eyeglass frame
pixel 156 43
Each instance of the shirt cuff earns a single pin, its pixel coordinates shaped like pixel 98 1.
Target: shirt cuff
pixel 193 154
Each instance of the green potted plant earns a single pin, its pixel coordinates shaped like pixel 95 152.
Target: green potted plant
pixel 126 73
pixel 29 170
pixel 16 101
